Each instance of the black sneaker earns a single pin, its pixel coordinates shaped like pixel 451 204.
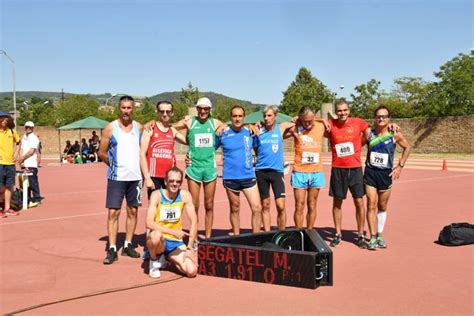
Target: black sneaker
pixel 111 256
pixel 336 241
pixel 361 242
pixel 130 252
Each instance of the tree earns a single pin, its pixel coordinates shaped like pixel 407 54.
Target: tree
pixel 221 110
pixel 365 102
pixel 145 113
pixel 407 97
pixel 454 93
pixel 189 95
pixel 305 90
pixel 180 110
pixel 75 108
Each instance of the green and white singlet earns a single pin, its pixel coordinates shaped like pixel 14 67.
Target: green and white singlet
pixel 201 141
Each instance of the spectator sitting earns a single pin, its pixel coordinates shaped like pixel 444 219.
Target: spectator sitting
pixel 84 150
pixel 92 157
pixel 67 152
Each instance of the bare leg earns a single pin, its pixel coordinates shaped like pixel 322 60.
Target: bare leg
pixel 184 263
pixel 155 244
pixel 383 200
pixel 194 188
pixel 253 197
pixel 312 211
pixel 266 218
pixel 281 219
pixel 360 214
pixel 337 214
pixel 112 225
pixel 8 197
pixel 371 193
pixel 131 224
pixel 234 202
pixel 209 193
pixel 300 199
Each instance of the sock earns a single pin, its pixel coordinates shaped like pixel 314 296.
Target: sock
pixel 114 247
pixel 381 218
pixel 125 245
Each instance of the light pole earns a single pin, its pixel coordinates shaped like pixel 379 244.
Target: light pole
pixel 14 89
pixel 110 98
pixel 335 94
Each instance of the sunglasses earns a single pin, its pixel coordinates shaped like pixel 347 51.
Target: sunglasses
pixel 202 108
pixel 174 181
pixel 165 112
pixel 381 117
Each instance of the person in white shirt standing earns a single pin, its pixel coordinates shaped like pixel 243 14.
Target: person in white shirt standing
pixel 120 150
pixel 29 160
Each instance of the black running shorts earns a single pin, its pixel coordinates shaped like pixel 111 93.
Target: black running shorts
pixel 343 179
pixel 379 179
pixel 267 177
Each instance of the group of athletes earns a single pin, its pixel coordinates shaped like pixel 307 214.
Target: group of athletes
pixel 135 153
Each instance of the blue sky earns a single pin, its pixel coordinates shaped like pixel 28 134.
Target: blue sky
pixel 250 50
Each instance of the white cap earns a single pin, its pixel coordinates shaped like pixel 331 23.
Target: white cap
pixel 204 102
pixel 29 124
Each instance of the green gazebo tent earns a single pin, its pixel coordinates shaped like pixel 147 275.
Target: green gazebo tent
pixel 90 122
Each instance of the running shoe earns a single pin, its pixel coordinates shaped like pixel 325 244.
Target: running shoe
pixel 336 241
pixel 372 244
pixel 154 270
pixel 381 242
pixel 361 242
pixel 2 214
pixel 111 256
pixel 11 212
pixel 33 204
pixel 162 262
pixel 130 252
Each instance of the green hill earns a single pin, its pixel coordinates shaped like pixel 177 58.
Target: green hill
pixel 168 96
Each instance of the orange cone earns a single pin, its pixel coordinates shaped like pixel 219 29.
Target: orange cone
pixel 445 165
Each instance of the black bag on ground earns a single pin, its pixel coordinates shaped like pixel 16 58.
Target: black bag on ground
pixel 457 234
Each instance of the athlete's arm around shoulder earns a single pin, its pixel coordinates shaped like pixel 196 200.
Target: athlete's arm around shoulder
pixel 290 132
pixel 104 143
pixel 365 136
pixel 191 214
pixel 184 123
pixel 145 142
pixel 285 127
pixel 180 138
pixel 140 127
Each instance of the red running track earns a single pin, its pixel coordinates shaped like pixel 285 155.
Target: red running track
pixel 55 252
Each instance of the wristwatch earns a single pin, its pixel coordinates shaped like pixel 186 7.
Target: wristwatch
pixel 401 164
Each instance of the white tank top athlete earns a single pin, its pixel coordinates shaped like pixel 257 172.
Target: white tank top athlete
pixel 124 154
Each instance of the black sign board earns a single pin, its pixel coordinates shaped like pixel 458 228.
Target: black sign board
pixel 294 257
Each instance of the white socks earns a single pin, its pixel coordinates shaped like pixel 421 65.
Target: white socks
pixel 114 247
pixel 126 243
pixel 381 218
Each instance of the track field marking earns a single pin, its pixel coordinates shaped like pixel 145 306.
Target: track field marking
pixel 216 201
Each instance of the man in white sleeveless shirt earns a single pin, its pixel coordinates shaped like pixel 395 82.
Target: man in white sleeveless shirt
pixel 120 150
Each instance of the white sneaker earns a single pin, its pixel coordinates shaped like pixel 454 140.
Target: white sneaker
pixel 154 269
pixel 162 262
